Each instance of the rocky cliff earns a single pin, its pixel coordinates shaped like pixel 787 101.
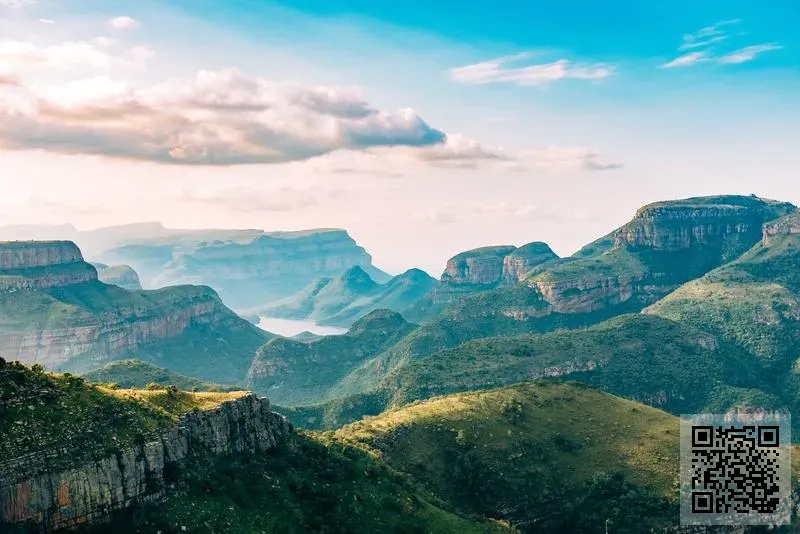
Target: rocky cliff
pixel 664 245
pixel 480 270
pixel 58 313
pixel 118 275
pixel 30 492
pixel 247 268
pixel 42 265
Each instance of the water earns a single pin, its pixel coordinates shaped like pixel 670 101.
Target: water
pixel 292 327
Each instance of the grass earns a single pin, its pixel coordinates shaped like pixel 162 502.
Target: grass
pixel 40 411
pixel 547 457
pixel 138 374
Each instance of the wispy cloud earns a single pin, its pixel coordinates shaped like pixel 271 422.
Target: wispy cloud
pixel 705 43
pixel 457 213
pixel 748 53
pixel 124 23
pixel 258 200
pixel 502 70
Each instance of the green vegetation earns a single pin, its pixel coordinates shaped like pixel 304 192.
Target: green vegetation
pixel 306 485
pixel 546 457
pixel 138 374
pixel 342 301
pixel 294 372
pixel 41 411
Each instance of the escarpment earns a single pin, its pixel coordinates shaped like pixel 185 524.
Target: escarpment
pixel 34 493
pixel 247 268
pixel 54 311
pixel 118 275
pixel 42 265
pixel 664 245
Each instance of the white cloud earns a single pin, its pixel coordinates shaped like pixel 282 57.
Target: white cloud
pixel 124 23
pixel 47 21
pixel 748 53
pixel 16 3
pixel 217 118
pixel 556 159
pixel 686 60
pixel 499 70
pixel 703 42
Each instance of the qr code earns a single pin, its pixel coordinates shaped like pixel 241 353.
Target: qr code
pixel 735 469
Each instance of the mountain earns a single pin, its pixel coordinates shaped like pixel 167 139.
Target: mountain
pixel 93 459
pixel 753 303
pixel 295 372
pixel 138 374
pixel 343 300
pixel 118 275
pixel 665 245
pixel 544 457
pixel 248 268
pixel 480 270
pixel 54 311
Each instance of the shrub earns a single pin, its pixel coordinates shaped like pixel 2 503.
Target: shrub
pixel 152 386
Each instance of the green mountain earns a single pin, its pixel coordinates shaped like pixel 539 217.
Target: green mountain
pixel 138 374
pixel 165 460
pixel 478 270
pixel 295 372
pixel 665 245
pixel 753 303
pixel 55 312
pixel 544 457
pixel 343 300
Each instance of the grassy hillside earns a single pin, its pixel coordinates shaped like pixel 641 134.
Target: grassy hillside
pixel 307 484
pixel 295 372
pixel 546 457
pixel 138 374
pixel 39 410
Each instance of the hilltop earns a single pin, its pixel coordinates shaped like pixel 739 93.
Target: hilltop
pixel 139 374
pixel 343 300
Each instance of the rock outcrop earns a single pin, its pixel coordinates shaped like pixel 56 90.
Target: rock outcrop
pixel 479 270
pixel 42 265
pixel 118 275
pixel 248 268
pixel 782 227
pixel 53 500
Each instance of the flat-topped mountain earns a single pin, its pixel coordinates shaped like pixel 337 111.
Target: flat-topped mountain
pixel 343 300
pixel 118 275
pixel 54 311
pixel 247 267
pixel 478 270
pixel 624 272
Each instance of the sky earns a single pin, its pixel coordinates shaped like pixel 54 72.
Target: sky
pixel 423 128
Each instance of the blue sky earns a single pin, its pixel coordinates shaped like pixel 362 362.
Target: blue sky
pixel 527 121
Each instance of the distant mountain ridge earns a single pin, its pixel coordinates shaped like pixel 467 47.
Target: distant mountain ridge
pixel 343 300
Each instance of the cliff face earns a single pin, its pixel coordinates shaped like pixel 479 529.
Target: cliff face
pixel 664 245
pixel 479 270
pixel 118 275
pixel 55 313
pixel 247 269
pixel 786 226
pixel 89 493
pixel 42 265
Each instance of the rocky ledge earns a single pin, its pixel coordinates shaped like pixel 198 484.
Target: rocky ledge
pixel 42 265
pixel 55 500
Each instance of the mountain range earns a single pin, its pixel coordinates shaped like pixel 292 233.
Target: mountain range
pixel 521 392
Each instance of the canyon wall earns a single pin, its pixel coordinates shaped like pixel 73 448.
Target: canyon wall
pixel 89 493
pixel 42 265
